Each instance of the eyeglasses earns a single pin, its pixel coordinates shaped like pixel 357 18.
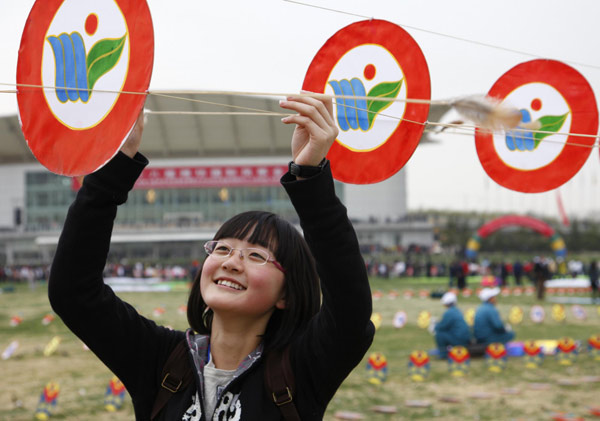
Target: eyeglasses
pixel 256 256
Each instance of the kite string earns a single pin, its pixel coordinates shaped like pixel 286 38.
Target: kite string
pixel 425 123
pixel 316 95
pixel 429 31
pixel 467 129
pixel 237 93
pixel 470 130
pixel 330 9
pixel 215 113
pixel 106 91
pixel 179 98
pixel 261 112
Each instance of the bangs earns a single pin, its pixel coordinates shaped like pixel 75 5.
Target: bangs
pixel 256 227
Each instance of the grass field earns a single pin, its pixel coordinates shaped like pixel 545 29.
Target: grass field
pixel 83 379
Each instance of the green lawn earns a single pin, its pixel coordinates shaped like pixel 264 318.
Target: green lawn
pixel 83 379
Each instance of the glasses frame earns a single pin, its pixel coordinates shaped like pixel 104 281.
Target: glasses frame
pixel 242 254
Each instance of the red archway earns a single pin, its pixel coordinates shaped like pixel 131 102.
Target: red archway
pixel 558 245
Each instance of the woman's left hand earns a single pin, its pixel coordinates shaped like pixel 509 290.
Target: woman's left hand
pixel 315 128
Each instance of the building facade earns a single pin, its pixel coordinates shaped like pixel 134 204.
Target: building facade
pixel 203 170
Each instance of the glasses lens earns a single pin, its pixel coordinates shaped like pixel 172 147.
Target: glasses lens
pixel 257 256
pixel 217 248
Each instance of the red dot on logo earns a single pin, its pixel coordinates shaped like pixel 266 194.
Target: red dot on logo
pixel 536 104
pixel 91 24
pixel 369 72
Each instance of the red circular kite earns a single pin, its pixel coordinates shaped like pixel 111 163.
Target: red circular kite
pixel 561 101
pixel 85 54
pixel 378 59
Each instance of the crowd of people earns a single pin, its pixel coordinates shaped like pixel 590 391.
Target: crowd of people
pixel 149 270
pixel 23 273
pixel 39 273
pixel 458 270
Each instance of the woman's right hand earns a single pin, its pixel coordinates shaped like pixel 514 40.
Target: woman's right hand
pixel 132 144
pixel 315 130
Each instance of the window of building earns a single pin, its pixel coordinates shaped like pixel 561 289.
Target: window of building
pixel 48 197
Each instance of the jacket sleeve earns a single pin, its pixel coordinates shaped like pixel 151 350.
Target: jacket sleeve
pixel 496 321
pixel 447 320
pixel 338 337
pixel 129 344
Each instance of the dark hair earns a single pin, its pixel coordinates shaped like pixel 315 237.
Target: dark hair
pixel 301 285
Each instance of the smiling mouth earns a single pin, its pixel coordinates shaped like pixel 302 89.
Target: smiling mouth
pixel 230 284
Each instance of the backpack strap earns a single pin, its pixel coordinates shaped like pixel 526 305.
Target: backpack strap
pixel 280 383
pixel 175 376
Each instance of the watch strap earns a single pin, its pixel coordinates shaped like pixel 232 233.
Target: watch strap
pixel 306 171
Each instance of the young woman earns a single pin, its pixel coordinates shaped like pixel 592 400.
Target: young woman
pixel 257 293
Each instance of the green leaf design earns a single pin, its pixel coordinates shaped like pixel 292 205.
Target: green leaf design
pixel 549 123
pixel 382 90
pixel 103 56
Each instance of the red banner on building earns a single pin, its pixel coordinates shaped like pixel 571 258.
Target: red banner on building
pixel 207 176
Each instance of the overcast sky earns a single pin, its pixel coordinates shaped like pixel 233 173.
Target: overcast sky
pixel 267 45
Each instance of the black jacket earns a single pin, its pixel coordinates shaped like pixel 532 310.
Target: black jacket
pixel 135 348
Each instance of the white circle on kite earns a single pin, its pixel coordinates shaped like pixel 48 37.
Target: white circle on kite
pixel 536 100
pixel 383 67
pixel 72 22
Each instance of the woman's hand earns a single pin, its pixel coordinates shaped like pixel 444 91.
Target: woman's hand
pixel 132 144
pixel 315 128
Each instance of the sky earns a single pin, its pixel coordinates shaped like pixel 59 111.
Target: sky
pixel 267 46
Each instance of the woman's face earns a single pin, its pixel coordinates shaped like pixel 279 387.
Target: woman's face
pixel 235 286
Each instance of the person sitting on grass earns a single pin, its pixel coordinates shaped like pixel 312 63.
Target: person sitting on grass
pixel 452 330
pixel 488 327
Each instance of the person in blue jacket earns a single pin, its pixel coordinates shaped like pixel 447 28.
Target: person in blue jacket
pixel 452 330
pixel 488 327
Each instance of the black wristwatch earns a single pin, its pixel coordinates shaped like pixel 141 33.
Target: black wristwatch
pixel 306 171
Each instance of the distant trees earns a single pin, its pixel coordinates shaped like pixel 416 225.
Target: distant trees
pixel 454 230
pixel 583 236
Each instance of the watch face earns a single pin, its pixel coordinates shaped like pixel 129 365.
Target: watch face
pixel 85 54
pixel 378 134
pixel 563 104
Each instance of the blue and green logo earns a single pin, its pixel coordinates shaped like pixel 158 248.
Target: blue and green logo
pixel 360 114
pixel 77 71
pixel 529 140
